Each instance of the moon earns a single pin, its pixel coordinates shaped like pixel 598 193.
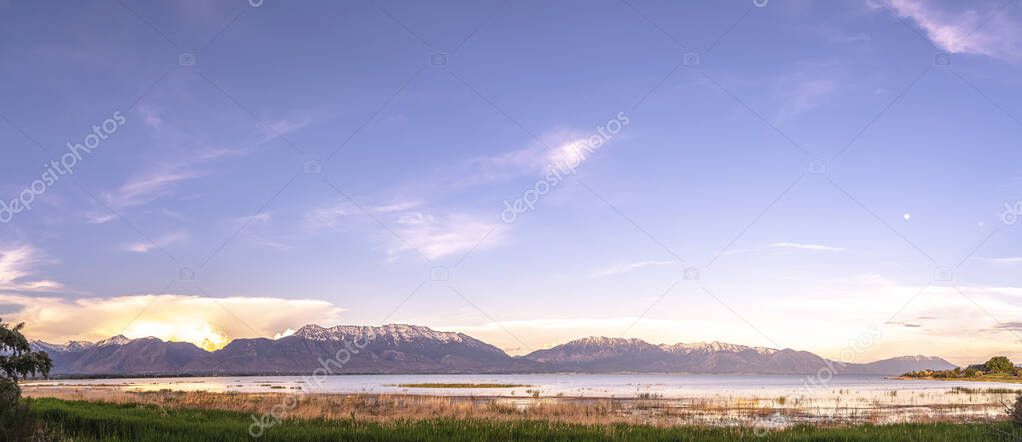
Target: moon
pixel 907 216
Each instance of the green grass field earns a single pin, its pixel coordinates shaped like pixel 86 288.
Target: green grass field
pixel 1005 378
pixel 91 421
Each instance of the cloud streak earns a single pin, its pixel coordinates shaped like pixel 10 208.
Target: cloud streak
pixel 984 29
pixel 778 247
pixel 804 246
pixel 618 269
pixel 442 236
pixel 17 265
pixel 163 180
pixel 415 229
pixel 999 261
pixel 163 241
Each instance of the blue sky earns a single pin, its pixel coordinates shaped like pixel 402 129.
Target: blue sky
pixel 909 108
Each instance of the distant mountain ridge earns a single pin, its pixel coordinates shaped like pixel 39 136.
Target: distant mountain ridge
pixel 620 354
pixel 400 348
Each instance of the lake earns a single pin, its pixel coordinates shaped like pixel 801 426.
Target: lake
pixel 617 385
pixel 769 400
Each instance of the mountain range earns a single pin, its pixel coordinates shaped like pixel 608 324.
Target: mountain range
pixel 398 348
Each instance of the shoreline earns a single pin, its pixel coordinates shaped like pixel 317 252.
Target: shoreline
pixel 1003 380
pixel 512 373
pixel 722 411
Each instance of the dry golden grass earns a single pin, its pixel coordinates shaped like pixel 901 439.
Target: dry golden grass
pixel 589 411
pixel 385 407
pixel 365 406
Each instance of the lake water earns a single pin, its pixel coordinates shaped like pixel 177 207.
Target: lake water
pixel 766 400
pixel 570 385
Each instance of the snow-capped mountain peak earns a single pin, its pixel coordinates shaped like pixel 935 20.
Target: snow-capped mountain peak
pixel 603 341
pixel 66 347
pixel 391 332
pixel 78 345
pixel 116 340
pixel 715 346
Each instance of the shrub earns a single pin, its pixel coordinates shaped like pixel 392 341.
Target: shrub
pixel 1015 411
pixel 999 364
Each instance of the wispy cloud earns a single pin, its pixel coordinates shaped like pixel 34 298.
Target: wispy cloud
pixel 998 261
pixel 968 321
pixel 18 264
pixel 806 86
pixel 163 241
pixel 164 180
pixel 332 214
pixel 329 216
pixel 628 267
pixel 161 181
pixel 1014 325
pixel 985 28
pixel 903 324
pixel 805 246
pixel 396 206
pixel 806 94
pixel 434 234
pixel 778 247
pixel 147 188
pixel 557 148
pixel 287 125
pixel 439 236
pixel 150 116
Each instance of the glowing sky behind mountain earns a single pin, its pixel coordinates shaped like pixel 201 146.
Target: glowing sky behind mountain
pixel 787 176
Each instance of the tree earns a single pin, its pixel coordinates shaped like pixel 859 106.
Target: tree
pixel 1000 364
pixel 17 361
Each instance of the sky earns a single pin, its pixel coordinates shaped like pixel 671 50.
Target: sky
pixel 838 177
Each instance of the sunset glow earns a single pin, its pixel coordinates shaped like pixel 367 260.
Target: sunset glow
pixel 202 334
